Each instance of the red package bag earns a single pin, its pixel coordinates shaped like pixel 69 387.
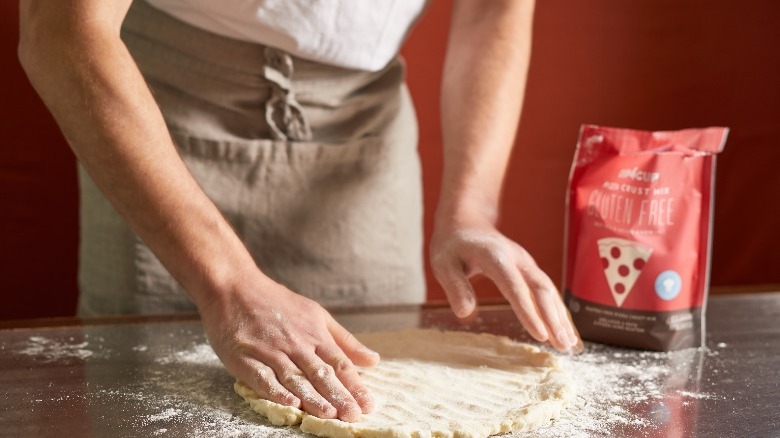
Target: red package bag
pixel 638 235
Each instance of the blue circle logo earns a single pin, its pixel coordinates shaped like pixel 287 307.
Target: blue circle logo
pixel 668 285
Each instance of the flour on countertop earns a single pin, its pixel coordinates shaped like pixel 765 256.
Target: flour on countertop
pixel 188 392
pixel 609 382
pixel 193 382
pixel 51 350
pixel 165 415
pixel 616 391
pixel 696 395
pixel 197 354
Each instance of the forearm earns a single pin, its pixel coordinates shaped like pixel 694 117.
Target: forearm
pixel 283 345
pixel 90 83
pixel 482 93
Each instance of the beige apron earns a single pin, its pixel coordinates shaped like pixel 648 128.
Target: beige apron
pixel 315 167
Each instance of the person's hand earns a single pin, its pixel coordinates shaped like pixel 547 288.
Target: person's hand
pixel 457 255
pixel 289 350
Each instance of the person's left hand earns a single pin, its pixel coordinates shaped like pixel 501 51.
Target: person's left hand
pixel 459 254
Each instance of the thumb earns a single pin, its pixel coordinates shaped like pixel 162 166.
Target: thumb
pixel 457 287
pixel 358 353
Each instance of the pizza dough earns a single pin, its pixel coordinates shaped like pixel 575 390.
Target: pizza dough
pixel 435 383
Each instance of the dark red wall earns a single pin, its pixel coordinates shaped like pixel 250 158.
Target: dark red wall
pixel 38 195
pixel 651 64
pixel 647 64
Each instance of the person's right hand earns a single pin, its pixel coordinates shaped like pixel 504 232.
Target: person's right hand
pixel 285 347
pixel 289 350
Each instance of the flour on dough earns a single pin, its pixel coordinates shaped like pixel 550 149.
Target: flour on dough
pixel 444 384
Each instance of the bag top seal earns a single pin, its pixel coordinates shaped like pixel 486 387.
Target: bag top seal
pixel 702 141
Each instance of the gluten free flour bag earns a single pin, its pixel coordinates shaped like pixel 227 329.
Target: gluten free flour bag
pixel 638 235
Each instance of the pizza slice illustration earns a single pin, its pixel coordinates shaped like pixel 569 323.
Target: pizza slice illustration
pixel 623 261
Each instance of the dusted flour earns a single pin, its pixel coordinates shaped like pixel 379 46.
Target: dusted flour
pixel 618 392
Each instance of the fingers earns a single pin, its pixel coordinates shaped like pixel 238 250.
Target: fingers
pixel 576 345
pixel 289 351
pixel 531 294
pixel 550 306
pixel 296 381
pixel 325 384
pixel 452 278
pixel 514 288
pixel 348 352
pixel 348 376
pixel 262 380
pixel 331 381
pixel 358 353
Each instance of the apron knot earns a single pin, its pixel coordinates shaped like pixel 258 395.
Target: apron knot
pixel 283 113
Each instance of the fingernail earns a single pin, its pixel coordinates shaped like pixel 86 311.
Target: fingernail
pixel 573 339
pixel 465 310
pixel 368 405
pixel 365 400
pixel 543 334
pixel 291 400
pixel 328 410
pixel 563 338
pixel 365 350
pixel 572 336
pixel 352 415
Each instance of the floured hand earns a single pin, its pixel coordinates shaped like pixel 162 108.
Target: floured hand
pixel 463 253
pixel 289 350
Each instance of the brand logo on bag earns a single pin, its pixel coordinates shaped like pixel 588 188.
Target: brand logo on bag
pixel 639 175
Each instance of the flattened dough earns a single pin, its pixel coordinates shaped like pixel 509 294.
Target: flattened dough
pixel 443 384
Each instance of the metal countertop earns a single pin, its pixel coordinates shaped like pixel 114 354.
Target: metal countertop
pixel 161 378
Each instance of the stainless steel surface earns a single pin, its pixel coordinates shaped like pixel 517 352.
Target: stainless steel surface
pixel 159 379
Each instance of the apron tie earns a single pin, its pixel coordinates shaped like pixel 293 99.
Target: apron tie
pixel 283 113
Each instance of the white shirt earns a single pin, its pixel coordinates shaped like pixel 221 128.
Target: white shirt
pixel 357 34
